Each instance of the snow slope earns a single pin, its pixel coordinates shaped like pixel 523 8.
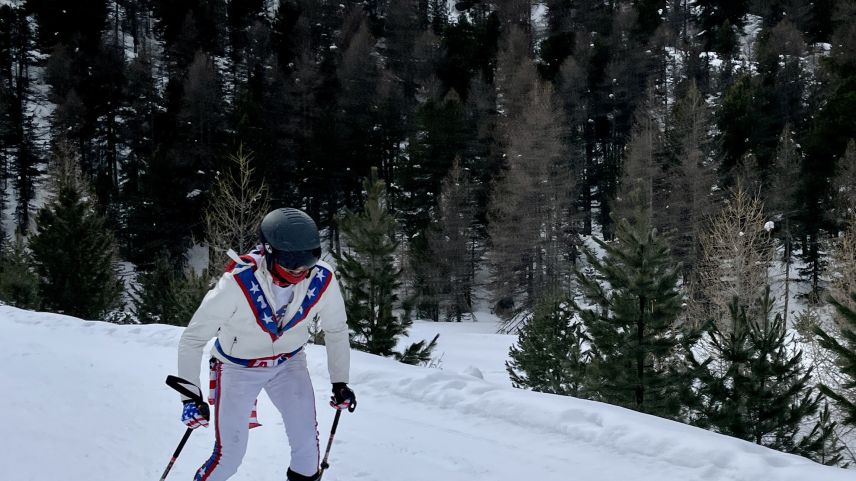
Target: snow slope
pixel 85 401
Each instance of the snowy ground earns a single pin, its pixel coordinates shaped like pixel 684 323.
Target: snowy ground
pixel 86 401
pixel 472 348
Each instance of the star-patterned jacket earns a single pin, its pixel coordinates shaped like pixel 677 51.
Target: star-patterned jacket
pixel 247 328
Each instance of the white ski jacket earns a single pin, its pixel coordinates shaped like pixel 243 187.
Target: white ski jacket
pixel 228 313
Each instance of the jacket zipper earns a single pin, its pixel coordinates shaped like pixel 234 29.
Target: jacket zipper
pixel 234 341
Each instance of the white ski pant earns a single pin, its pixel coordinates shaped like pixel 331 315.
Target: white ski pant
pixel 289 388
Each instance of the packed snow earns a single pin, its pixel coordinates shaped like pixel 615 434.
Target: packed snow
pixel 85 400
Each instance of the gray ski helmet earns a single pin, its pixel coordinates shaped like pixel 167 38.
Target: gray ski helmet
pixel 290 238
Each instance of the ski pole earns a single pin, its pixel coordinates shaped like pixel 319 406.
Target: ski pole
pixel 176 453
pixel 324 464
pixel 178 384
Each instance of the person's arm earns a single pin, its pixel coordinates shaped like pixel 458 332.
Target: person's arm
pixel 217 307
pixel 334 323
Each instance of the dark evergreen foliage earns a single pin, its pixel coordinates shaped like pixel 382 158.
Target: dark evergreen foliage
pixel 167 295
pixel 717 20
pixel 75 255
pixel 440 137
pixel 638 356
pixel 153 291
pixel 418 353
pixel 77 24
pixel 755 387
pixel 19 285
pixel 844 348
pixel 552 352
pixel 369 275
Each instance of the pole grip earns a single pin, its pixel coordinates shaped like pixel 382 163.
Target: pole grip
pixel 178 384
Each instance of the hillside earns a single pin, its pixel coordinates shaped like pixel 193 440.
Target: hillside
pixel 85 400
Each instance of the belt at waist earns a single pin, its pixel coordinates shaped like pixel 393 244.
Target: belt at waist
pixel 260 362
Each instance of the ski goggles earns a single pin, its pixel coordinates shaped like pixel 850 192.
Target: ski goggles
pixel 296 260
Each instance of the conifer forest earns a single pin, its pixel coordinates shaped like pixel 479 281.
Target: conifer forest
pixel 657 196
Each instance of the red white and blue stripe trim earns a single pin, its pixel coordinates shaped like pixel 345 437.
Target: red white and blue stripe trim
pixel 269 361
pixel 265 316
pixel 317 286
pixel 205 471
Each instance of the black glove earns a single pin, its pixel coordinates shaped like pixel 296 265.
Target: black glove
pixel 343 397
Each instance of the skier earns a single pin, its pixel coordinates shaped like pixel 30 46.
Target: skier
pixel 260 311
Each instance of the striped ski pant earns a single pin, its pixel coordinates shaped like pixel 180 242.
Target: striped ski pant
pixel 290 389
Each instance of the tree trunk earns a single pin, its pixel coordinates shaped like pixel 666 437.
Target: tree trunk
pixel 640 357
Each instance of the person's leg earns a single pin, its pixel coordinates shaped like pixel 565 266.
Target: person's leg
pixel 291 392
pixel 237 389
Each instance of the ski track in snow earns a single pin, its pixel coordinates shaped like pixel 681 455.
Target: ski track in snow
pixel 85 400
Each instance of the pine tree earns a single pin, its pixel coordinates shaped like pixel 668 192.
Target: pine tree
pixel 73 250
pixel 453 244
pixel 638 361
pixel 151 295
pixel 716 21
pixel 19 285
pixel 166 295
pixel 824 445
pixel 189 288
pixel 782 199
pixel 552 351
pixel 691 175
pixel 844 348
pixel 754 386
pixel 439 138
pixel 26 173
pixel 369 275
pixel 826 140
pixel 844 184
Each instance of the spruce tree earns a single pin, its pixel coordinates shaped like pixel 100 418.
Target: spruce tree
pixel 19 285
pixel 636 341
pixel 844 349
pixel 73 250
pixel 369 275
pixel 551 354
pixel 152 292
pixel 188 290
pixel 165 295
pixel 754 386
